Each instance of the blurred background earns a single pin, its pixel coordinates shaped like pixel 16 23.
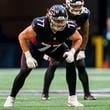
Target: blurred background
pixel 15 15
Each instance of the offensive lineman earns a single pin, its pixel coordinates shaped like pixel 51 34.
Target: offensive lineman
pixel 49 34
pixel 80 14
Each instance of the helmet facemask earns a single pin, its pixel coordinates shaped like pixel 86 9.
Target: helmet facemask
pixel 58 24
pixel 58 17
pixel 75 7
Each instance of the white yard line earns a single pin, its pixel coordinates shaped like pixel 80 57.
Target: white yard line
pixel 102 92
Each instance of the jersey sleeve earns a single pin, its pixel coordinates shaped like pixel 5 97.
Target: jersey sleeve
pixel 72 26
pixel 38 25
pixel 85 14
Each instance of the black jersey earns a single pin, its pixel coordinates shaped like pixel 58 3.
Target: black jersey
pixel 80 19
pixel 46 40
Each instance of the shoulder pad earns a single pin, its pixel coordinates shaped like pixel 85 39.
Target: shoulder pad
pixel 85 11
pixel 71 23
pixel 40 21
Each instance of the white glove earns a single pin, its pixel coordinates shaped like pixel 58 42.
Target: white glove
pixel 80 55
pixel 30 61
pixel 69 55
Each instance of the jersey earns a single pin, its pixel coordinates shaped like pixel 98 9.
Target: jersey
pixel 47 41
pixel 80 19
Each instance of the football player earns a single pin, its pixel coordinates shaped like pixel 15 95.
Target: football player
pixel 47 35
pixel 79 14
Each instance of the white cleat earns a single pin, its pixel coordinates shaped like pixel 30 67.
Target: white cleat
pixel 9 102
pixel 73 102
pixel 45 97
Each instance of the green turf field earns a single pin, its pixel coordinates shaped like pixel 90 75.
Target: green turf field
pixel 29 97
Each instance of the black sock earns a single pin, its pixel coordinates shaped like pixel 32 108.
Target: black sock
pixel 83 76
pixel 71 78
pixel 49 75
pixel 19 81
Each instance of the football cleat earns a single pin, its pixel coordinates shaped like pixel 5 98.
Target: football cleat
pixel 73 102
pixel 9 102
pixel 89 97
pixel 45 97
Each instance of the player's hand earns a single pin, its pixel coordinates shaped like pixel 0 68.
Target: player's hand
pixel 69 56
pixel 30 61
pixel 80 55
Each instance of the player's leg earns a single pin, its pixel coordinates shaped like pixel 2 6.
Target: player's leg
pixel 18 83
pixel 49 75
pixel 71 81
pixel 70 76
pixel 83 76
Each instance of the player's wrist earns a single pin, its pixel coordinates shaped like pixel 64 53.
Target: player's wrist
pixel 73 50
pixel 82 49
pixel 27 54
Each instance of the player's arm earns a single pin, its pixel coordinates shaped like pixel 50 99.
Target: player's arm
pixel 25 36
pixel 76 39
pixel 85 32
